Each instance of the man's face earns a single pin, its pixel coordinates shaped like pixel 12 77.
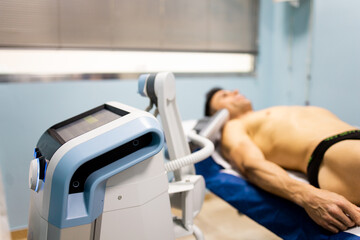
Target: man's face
pixel 233 101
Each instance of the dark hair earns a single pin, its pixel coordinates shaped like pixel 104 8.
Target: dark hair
pixel 209 96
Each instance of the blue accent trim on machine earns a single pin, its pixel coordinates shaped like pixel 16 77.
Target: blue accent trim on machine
pixel 46 164
pixel 68 210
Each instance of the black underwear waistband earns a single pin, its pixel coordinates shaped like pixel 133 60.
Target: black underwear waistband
pixel 319 152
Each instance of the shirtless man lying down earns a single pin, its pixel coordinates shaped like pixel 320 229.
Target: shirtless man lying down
pixel 312 140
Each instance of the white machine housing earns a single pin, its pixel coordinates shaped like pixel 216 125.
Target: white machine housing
pixel 127 198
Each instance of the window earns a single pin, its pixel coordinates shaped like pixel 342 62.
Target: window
pixel 85 35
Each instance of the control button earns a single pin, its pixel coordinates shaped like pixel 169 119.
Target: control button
pixel 135 142
pixel 76 184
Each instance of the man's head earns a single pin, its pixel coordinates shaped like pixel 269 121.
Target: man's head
pixel 234 102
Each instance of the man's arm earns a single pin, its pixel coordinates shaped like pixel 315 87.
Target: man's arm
pixel 330 210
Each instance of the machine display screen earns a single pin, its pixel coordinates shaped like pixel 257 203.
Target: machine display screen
pixel 85 122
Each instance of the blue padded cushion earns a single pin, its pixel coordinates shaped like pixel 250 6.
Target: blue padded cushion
pixel 282 217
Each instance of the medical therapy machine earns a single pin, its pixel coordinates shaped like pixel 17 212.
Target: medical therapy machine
pixel 102 174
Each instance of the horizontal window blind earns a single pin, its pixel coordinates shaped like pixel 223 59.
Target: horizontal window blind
pixel 147 25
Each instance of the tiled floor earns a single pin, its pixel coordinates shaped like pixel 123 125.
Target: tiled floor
pixel 218 221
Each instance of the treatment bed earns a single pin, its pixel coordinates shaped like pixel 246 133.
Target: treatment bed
pixel 282 217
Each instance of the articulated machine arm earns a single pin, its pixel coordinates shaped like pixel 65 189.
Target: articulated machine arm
pixel 188 191
pixel 160 88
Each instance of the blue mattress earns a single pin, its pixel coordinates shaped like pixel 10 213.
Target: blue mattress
pixel 282 217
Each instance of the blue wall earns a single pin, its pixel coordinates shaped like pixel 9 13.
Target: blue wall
pixel 336 58
pixel 330 55
pixel 289 54
pixel 315 61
